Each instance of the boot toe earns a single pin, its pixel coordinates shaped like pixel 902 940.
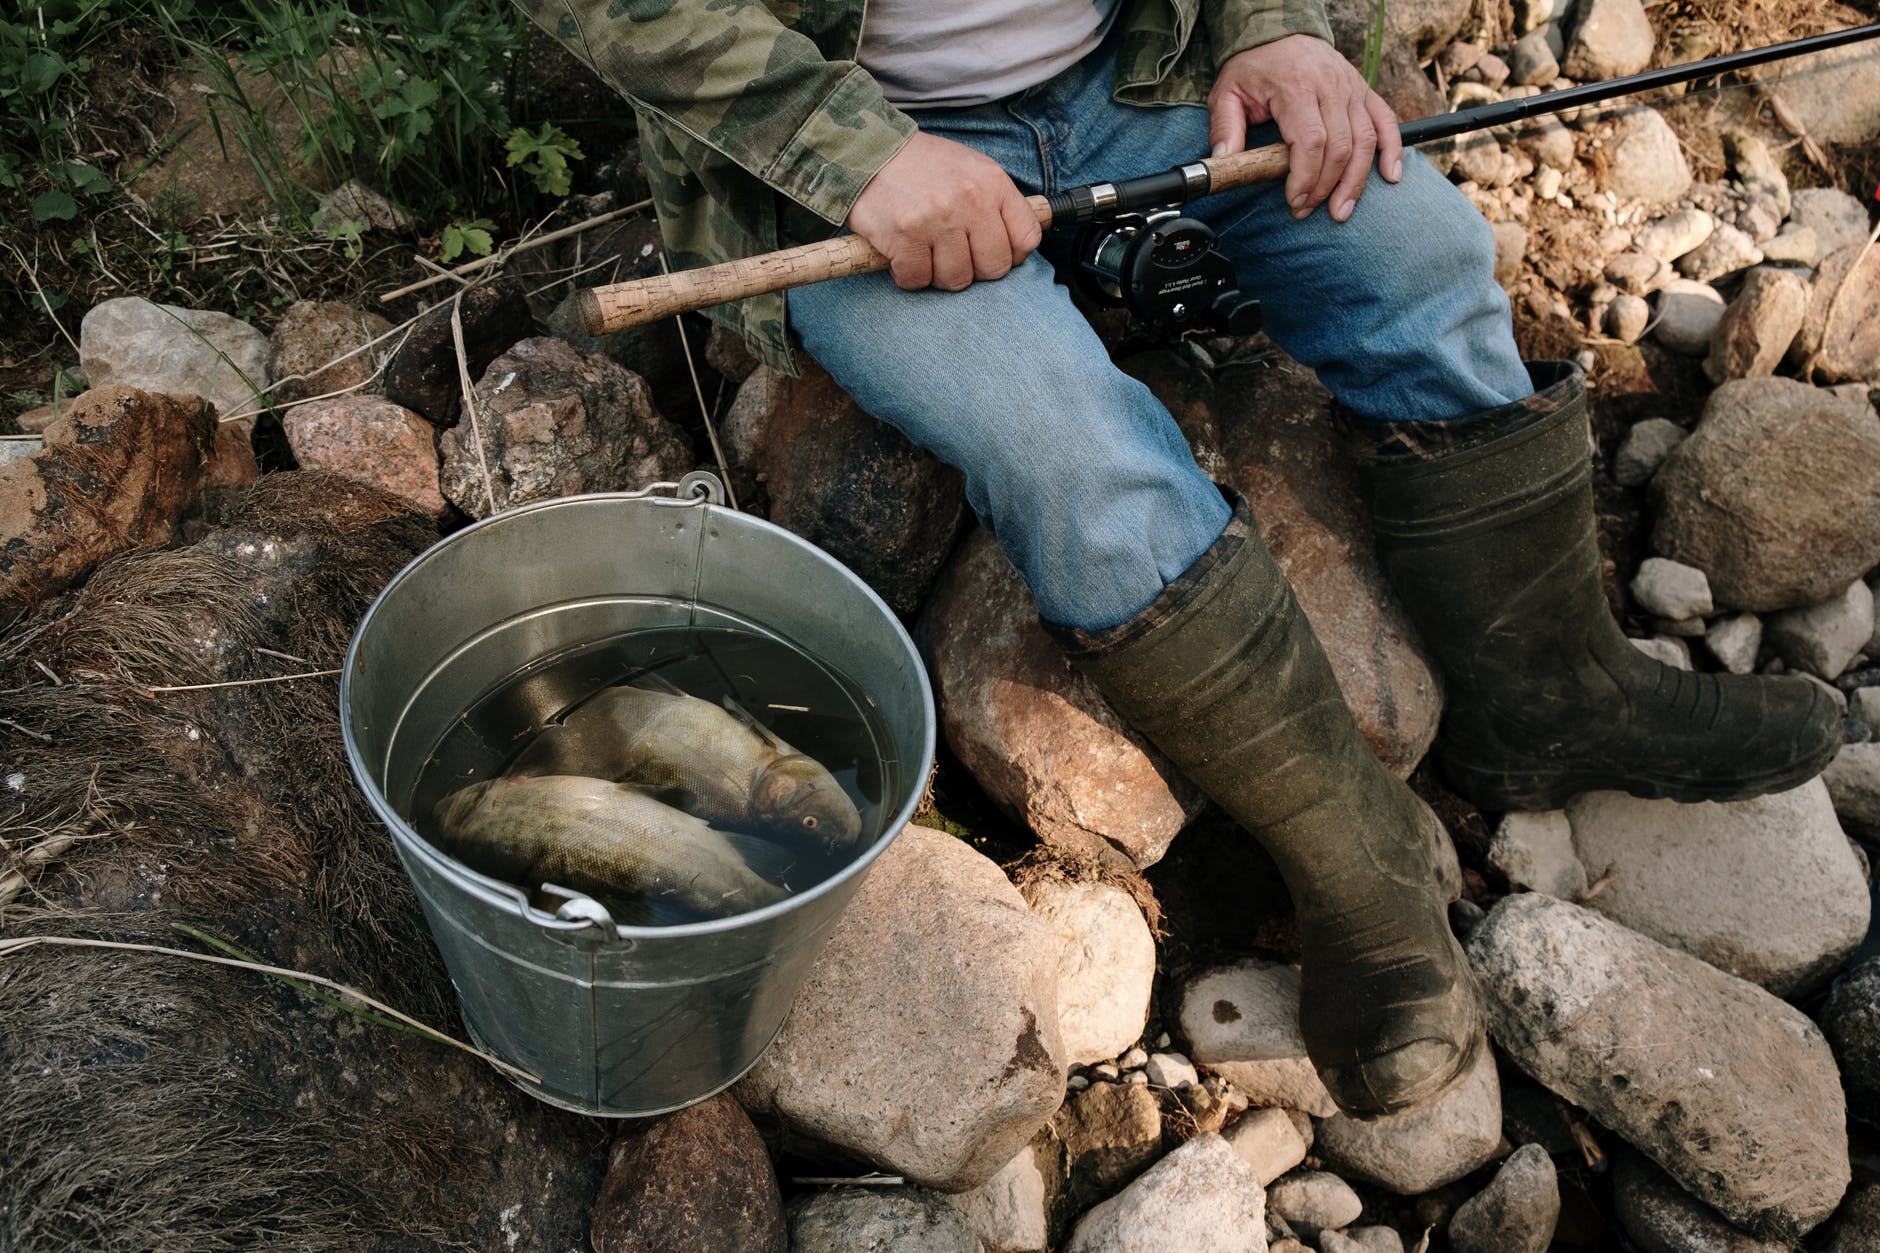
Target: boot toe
pixel 1405 1078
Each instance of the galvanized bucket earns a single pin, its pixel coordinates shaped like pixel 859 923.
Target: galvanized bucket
pixel 615 1020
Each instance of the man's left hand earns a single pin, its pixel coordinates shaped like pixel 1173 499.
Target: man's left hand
pixel 1333 122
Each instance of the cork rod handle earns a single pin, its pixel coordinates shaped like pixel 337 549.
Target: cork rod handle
pixel 617 306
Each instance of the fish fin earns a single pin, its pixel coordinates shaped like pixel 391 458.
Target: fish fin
pixel 769 861
pixel 653 681
pixel 763 732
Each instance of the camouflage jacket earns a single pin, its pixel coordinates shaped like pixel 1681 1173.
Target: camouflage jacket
pixel 758 130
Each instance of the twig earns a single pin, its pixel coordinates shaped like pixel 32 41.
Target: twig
pixel 711 429
pixel 271 652
pixel 470 267
pixel 277 678
pixel 469 397
pixel 44 301
pixel 8 947
pixel 862 1181
pixel 38 735
pixel 13 882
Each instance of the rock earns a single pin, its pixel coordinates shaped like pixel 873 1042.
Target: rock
pixel 1516 1212
pixel 1671 590
pixel 878 1220
pixel 1612 38
pixel 1833 693
pixel 1202 1198
pixel 847 483
pixel 1758 326
pixel 1637 273
pixel 1864 703
pixel 1110 1132
pixel 115 473
pixel 1242 1023
pixel 1822 639
pixel 1757 169
pixel 1532 63
pixel 353 201
pixel 1857 1222
pixel 1647 162
pixel 1313 1201
pixel 137 343
pixel 1171 1070
pixel 1833 95
pixel 937 969
pixel 1269 1142
pixel 1368 1239
pixel 556 422
pixel 652 350
pixel 1661 1217
pixel 1627 317
pixel 1851 1021
pixel 1688 313
pixel 1587 1007
pixel 1425 27
pixel 726 352
pixel 1010 1210
pixel 1133 1059
pixel 1536 851
pixel 1491 70
pixel 1510 247
pixel 1674 234
pixel 370 439
pixel 1726 251
pixel 1776 495
pixel 319 346
pixel 422 373
pixel 1837 219
pixel 1551 142
pixel 1106 966
pixel 1735 641
pixel 1038 737
pixel 1765 889
pixel 1460 57
pixel 1840 338
pixel 1547 182
pixel 695 1181
pixel 1793 245
pixel 1853 782
pixel 1268 425
pixel 1423 1149
pixel 1646 446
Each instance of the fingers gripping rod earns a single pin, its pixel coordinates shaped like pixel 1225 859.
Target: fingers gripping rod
pixel 620 305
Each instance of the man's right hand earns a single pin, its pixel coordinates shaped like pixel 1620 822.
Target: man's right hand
pixel 944 215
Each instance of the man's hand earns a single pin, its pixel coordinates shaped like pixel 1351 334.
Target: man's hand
pixel 944 214
pixel 1334 122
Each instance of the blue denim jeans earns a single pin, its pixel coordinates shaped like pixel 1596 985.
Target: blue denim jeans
pixel 1081 474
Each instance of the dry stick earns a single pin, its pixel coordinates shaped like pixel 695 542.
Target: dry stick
pixel 469 397
pixel 44 303
pixel 11 946
pixel 276 678
pixel 14 881
pixel 403 330
pixel 711 430
pixel 38 735
pixel 506 253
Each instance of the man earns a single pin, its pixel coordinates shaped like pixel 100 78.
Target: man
pixel 920 126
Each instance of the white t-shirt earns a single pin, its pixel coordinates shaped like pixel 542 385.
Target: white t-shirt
pixel 933 53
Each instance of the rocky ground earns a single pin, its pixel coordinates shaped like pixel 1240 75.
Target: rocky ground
pixel 1046 1022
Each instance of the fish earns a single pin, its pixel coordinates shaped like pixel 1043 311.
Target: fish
pixel 716 763
pixel 593 835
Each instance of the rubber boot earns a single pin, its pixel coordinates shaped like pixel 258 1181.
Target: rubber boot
pixel 1224 675
pixel 1485 528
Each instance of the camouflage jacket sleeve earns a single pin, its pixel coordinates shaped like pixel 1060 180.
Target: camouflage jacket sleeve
pixel 1237 25
pixel 733 77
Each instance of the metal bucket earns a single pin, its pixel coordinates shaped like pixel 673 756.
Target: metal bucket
pixel 615 1020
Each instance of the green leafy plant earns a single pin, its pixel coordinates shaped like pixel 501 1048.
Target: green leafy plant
pixel 472 237
pixel 544 156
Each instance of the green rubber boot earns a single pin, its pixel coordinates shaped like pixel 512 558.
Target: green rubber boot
pixel 1224 675
pixel 1485 528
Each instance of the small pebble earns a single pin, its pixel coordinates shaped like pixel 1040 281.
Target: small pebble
pixel 1162 1041
pixel 1104 1070
pixel 1135 1059
pixel 1136 1076
pixel 1077 1083
pixel 1854 731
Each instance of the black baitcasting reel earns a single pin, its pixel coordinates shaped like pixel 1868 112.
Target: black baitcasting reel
pixel 1166 269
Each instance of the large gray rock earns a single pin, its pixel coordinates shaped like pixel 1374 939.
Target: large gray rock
pixel 1038 737
pixel 175 351
pixel 1269 1141
pixel 1835 95
pixel 925 1037
pixel 1776 495
pixel 1668 589
pixel 1536 851
pixel 1732 1091
pixel 1840 335
pixel 1661 1217
pixel 1516 1212
pixel 1242 1023
pixel 1822 639
pixel 370 439
pixel 1853 782
pixel 1851 1021
pixel 1202 1198
pixel 879 1220
pixel 1011 1211
pixel 1674 234
pixel 1646 446
pixel 851 485
pixel 1648 162
pixel 1313 1201
pixel 1423 1149
pixel 1838 219
pixel 1724 253
pixel 1758 326
pixel 1766 889
pixel 1612 38
pixel 1106 966
pixel 1688 314
pixel 551 422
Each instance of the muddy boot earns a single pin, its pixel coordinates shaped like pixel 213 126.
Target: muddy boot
pixel 1485 528
pixel 1224 675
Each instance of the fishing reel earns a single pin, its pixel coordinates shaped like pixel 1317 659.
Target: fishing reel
pixel 1166 269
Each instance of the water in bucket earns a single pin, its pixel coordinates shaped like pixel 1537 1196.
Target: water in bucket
pixel 812 708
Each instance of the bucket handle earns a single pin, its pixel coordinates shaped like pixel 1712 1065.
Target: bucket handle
pixel 700 487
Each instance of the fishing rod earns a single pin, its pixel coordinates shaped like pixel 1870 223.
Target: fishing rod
pixel 1135 248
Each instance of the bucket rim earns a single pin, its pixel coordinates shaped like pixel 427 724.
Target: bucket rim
pixel 511 898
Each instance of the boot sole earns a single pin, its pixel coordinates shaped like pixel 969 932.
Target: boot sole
pixel 1527 791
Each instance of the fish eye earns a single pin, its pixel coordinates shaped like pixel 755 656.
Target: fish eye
pixel 809 822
